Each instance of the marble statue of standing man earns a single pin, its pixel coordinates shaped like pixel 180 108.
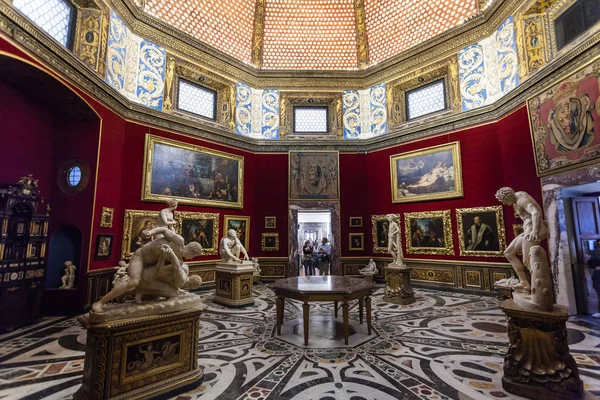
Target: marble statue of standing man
pixel 534 231
pixel 394 241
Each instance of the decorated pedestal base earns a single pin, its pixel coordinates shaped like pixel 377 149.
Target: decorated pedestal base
pixel 368 276
pixel 398 289
pixel 234 284
pixel 504 292
pixel 256 277
pixel 538 364
pixel 141 357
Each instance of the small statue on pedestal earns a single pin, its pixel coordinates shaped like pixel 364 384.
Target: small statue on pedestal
pixel 231 248
pixel 235 273
pixel 68 279
pixel 394 242
pixel 370 269
pixel 256 273
pixel 397 289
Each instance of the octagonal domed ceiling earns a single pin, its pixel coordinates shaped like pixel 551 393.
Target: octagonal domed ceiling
pixel 312 34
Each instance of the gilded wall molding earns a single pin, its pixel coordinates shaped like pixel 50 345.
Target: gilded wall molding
pixel 362 44
pixel 258 35
pixel 91 37
pixel 332 100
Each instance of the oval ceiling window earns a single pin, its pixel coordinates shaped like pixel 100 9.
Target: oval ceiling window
pixel 73 176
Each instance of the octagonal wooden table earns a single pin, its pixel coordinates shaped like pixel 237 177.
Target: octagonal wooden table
pixel 324 288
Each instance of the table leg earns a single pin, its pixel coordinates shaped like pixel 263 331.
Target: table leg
pixel 305 308
pixel 279 314
pixel 360 310
pixel 346 327
pixel 335 308
pixel 368 304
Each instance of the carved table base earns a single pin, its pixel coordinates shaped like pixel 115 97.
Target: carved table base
pixel 234 284
pixel 398 289
pixel 141 357
pixel 538 364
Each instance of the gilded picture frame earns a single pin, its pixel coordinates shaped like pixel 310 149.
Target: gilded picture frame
pixel 486 240
pixel 270 241
pixel 198 182
pixel 433 173
pixel 242 227
pixel 104 245
pixel 356 241
pixel 106 218
pixel 313 175
pixel 199 227
pixel 135 222
pixel 270 222
pixel 380 226
pixel 356 222
pixel 429 232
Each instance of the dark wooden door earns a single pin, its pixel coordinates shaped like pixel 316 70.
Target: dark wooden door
pixel 586 223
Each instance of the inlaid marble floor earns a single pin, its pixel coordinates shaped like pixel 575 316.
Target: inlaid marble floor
pixel 444 346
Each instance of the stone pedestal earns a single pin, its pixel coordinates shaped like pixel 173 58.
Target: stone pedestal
pixel 504 292
pixel 368 276
pixel 256 277
pixel 397 285
pixel 234 284
pixel 538 364
pixel 140 357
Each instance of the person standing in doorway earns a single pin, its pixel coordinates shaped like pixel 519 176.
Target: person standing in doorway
pixel 307 260
pixel 324 254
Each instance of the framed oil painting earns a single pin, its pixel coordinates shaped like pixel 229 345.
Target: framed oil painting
pixel 564 121
pixel 200 227
pixel 428 174
pixel 136 222
pixel 270 242
pixel 106 218
pixel 103 247
pixel 355 222
pixel 314 175
pixel 356 241
pixel 241 225
pixel 270 222
pixel 380 229
pixel 192 174
pixel 481 231
pixel 428 232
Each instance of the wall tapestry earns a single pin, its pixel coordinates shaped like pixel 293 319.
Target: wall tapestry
pixel 364 112
pixel 314 175
pixel 489 68
pixel 380 229
pixel 257 112
pixel 481 231
pixel 200 227
pixel 564 122
pixel 429 232
pixel 192 174
pixel 241 226
pixel 135 67
pixel 428 174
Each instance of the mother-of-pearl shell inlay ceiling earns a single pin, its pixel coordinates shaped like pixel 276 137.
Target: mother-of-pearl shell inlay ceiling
pixel 312 34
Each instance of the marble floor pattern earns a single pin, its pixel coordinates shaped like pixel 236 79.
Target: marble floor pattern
pixel 445 346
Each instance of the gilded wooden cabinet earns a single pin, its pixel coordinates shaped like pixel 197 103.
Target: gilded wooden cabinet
pixel 22 253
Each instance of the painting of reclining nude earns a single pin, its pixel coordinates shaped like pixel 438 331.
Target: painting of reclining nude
pixel 428 174
pixel 191 174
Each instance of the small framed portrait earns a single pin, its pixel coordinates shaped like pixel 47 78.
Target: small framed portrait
pixel 429 232
pixel 270 222
pixel 380 228
pixel 241 226
pixel 355 222
pixel 106 218
pixel 200 227
pixel 481 231
pixel 357 241
pixel 270 241
pixel 103 247
pixel 134 227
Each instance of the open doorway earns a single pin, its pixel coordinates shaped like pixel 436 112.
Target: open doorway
pixel 314 242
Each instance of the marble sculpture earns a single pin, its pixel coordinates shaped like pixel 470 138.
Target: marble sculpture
pixel 68 279
pixel 231 248
pixel 394 242
pixel 370 269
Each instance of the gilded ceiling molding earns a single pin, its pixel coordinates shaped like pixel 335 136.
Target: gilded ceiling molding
pixel 258 36
pixel 91 37
pixel 168 98
pixel 333 101
pixel 362 44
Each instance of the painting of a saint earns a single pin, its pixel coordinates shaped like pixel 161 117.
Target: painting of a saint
pixel 428 174
pixel 192 174
pixel 313 175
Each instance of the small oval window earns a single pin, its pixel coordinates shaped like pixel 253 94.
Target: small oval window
pixel 74 176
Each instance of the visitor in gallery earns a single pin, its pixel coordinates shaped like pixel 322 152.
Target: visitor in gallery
pixel 594 264
pixel 307 260
pixel 324 256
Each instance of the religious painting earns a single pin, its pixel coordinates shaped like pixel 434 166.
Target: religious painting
pixel 270 222
pixel 200 227
pixel 146 357
pixel 356 241
pixel 355 222
pixel 191 174
pixel 270 241
pixel 481 231
pixel 103 247
pixel 106 218
pixel 428 174
pixel 380 229
pixel 314 175
pixel 136 224
pixel 241 226
pixel 564 122
pixel 428 232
